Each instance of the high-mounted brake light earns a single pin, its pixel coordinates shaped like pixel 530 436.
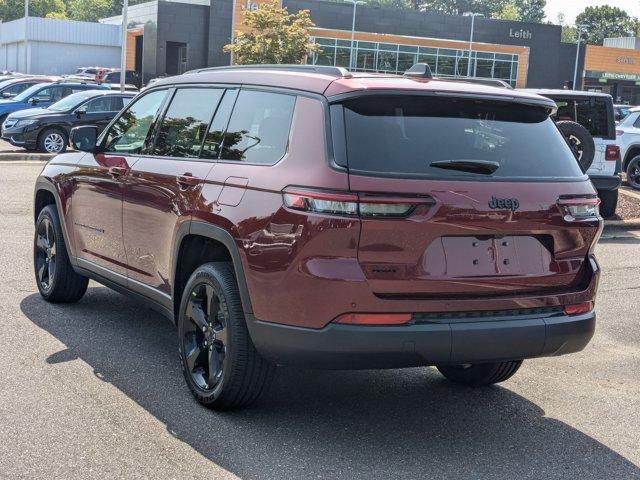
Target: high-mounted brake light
pixel 612 153
pixel 351 204
pixel 579 208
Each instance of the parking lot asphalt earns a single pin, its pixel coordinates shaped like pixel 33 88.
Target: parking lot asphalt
pixel 94 390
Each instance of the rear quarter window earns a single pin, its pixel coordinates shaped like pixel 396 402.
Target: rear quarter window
pixel 403 135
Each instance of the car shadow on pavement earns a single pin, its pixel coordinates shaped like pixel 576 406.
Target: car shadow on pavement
pixel 363 424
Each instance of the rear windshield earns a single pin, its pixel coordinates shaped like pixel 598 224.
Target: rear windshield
pixel 402 136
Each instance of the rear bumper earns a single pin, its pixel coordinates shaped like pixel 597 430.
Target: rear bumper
pixel 606 182
pixel 355 347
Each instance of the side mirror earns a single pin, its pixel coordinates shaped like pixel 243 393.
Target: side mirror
pixel 33 101
pixel 84 138
pixel 81 111
pixel 6 95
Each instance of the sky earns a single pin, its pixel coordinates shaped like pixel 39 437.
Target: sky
pixel 571 8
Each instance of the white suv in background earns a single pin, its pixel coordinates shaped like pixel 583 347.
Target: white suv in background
pixel 587 120
pixel 628 138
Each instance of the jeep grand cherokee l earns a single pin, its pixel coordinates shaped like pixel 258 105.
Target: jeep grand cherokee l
pixel 309 216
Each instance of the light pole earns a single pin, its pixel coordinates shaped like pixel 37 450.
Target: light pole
pixel 26 38
pixel 123 50
pixel 353 27
pixel 575 70
pixel 473 21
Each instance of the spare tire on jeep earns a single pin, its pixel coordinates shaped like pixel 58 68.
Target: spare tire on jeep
pixel 580 141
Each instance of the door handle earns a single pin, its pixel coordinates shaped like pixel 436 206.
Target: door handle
pixel 117 171
pixel 186 181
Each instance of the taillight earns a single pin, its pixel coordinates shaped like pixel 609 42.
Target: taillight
pixel 351 204
pixel 612 153
pixel 332 203
pixel 579 308
pixel 579 208
pixel 374 318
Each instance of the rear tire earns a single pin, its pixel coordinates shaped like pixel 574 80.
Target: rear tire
pixel 56 279
pixel 608 202
pixel 580 141
pixel 220 364
pixel 480 374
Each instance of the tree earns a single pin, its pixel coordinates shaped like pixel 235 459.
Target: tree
pixel 275 36
pixel 531 10
pixel 605 21
pixel 508 12
pixel 458 7
pixel 89 10
pixel 13 9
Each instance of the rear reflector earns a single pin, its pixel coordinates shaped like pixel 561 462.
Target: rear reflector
pixel 352 204
pixel 374 318
pixel 579 308
pixel 612 153
pixel 579 208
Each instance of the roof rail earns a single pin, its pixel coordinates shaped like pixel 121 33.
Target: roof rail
pixel 489 82
pixel 338 72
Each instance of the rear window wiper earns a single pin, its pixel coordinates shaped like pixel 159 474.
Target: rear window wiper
pixel 482 167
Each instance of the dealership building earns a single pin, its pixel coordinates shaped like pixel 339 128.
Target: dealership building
pixel 171 37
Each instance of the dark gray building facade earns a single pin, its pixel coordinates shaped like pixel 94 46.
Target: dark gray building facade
pixel 187 34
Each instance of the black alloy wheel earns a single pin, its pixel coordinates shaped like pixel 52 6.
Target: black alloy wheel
pixel 205 336
pixel 46 254
pixel 633 173
pixel 220 364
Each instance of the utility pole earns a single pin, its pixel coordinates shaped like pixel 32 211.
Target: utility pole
pixel 123 52
pixel 353 28
pixel 575 70
pixel 473 21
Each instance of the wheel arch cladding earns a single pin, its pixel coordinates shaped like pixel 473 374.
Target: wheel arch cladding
pixel 198 243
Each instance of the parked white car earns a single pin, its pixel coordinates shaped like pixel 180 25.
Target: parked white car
pixel 628 139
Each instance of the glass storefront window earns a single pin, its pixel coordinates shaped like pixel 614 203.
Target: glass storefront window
pixel 395 58
pixel 406 61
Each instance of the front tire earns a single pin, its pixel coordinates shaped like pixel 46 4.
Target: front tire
pixel 52 140
pixel 480 374
pixel 55 277
pixel 220 364
pixel 608 202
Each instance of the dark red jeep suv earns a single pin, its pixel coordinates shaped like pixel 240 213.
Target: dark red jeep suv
pixel 310 216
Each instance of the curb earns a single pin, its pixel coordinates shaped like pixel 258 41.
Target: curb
pixel 14 157
pixel 631 224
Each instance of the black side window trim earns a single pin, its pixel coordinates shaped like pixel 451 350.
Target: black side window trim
pixel 236 92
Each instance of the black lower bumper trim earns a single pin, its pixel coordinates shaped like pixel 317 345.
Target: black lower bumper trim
pixel 606 182
pixel 356 347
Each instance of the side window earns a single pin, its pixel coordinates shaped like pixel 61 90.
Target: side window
pixel 186 121
pixel 115 105
pixel 18 88
pixel 258 130
pixel 125 101
pixel 129 133
pixel 43 95
pixel 101 104
pixel 211 147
